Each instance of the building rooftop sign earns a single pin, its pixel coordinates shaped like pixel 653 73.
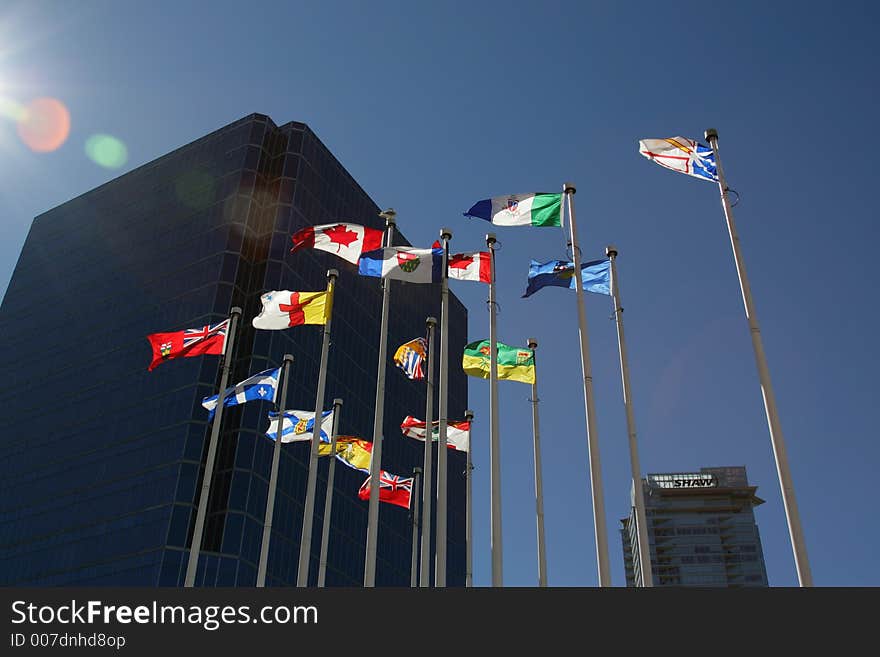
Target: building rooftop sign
pixel 683 480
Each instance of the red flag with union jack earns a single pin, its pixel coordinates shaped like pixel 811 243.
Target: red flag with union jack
pixel 209 339
pixel 393 489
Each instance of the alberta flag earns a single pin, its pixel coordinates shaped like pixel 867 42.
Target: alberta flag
pixel 299 425
pixel 595 276
pixel 260 386
pixel 682 155
pixel 535 209
pixel 403 263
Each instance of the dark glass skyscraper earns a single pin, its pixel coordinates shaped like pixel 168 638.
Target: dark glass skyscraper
pixel 101 461
pixel 701 530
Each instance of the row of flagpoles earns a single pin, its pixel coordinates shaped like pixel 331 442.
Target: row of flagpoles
pixel 373 252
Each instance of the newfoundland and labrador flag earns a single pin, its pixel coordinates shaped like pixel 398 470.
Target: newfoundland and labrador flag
pixel 682 155
pixel 299 425
pixel 393 489
pixel 260 386
pixel 457 433
pixel 536 209
pixel 595 276
pixel 347 241
pixel 283 309
pixel 210 339
pixel 403 263
pixel 514 363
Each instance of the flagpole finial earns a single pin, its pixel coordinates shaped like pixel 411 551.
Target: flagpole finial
pixel 468 415
pixel 288 358
pixel 332 273
pixel 337 402
pixel 568 188
pixel 611 251
pixel 235 311
pixel 710 134
pixel 445 233
pixel 417 470
pixel 533 344
pixel 388 215
pixel 431 322
pixel 490 239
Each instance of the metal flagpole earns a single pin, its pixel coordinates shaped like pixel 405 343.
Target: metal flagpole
pixel 635 469
pixel 196 545
pixel 425 566
pixel 777 441
pixel 469 526
pixel 569 190
pixel 305 544
pixel 440 568
pixel 273 476
pixel 494 440
pixel 539 486
pixel 378 418
pixel 328 498
pixel 414 563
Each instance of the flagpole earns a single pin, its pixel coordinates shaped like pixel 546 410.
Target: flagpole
pixel 414 563
pixel 645 567
pixel 494 440
pixel 777 441
pixel 569 190
pixel 196 545
pixel 273 476
pixel 305 544
pixel 328 498
pixel 425 566
pixel 469 526
pixel 539 486
pixel 378 418
pixel 440 568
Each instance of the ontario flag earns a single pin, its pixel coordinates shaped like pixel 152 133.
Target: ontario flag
pixel 210 339
pixel 471 266
pixel 392 489
pixel 347 241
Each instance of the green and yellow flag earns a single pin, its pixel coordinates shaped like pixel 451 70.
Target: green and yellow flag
pixel 514 363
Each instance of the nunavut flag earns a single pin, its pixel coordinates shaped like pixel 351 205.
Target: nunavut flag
pixel 210 339
pixel 347 241
pixel 283 309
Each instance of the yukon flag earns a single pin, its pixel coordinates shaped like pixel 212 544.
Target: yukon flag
pixel 283 309
pixel 457 433
pixel 348 241
pixel 403 263
pixel 393 489
pixel 471 266
pixel 683 155
pixel 536 209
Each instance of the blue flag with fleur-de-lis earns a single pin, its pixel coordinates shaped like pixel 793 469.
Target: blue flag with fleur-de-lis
pixel 259 386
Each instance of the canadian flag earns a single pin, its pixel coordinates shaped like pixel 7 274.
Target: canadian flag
pixel 471 266
pixel 347 241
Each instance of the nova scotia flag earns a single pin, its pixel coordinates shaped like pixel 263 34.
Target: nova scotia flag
pixel 259 386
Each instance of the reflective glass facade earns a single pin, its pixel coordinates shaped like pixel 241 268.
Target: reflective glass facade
pixel 701 530
pixel 101 461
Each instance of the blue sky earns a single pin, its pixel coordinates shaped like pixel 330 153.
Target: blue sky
pixel 432 106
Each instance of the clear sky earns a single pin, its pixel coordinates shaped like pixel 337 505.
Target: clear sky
pixel 433 106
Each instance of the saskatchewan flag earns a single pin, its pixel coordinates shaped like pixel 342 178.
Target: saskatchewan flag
pixel 514 363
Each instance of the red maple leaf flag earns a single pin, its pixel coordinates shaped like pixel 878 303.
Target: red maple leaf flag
pixel 347 241
pixel 471 267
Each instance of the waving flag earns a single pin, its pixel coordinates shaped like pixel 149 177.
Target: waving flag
pixel 682 155
pixel 536 209
pixel 393 489
pixel 260 386
pixel 457 433
pixel 210 339
pixel 347 241
pixel 471 266
pixel 595 276
pixel 403 263
pixel 514 363
pixel 355 452
pixel 283 309
pixel 411 356
pixel 299 425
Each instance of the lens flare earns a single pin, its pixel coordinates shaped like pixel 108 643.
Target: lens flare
pixel 44 125
pixel 10 109
pixel 195 189
pixel 106 151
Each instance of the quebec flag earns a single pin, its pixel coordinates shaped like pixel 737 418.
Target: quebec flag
pixel 682 155
pixel 260 386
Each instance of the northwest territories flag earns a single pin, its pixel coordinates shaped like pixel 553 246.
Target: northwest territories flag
pixel 299 425
pixel 403 263
pixel 536 209
pixel 259 386
pixel 682 155
pixel 595 276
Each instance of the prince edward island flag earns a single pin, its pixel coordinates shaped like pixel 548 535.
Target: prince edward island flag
pixel 535 209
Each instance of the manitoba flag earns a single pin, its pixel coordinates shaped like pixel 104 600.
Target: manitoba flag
pixel 347 241
pixel 471 267
pixel 210 339
pixel 392 489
